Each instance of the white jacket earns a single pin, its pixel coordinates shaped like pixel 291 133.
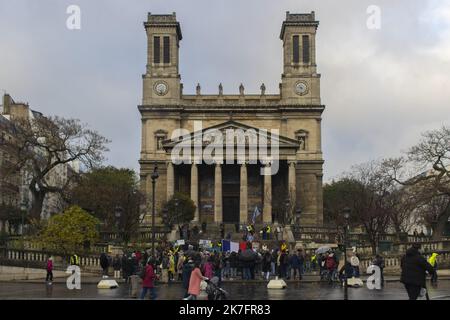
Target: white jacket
pixel 354 261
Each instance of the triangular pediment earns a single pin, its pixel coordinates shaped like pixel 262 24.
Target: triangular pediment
pixel 207 135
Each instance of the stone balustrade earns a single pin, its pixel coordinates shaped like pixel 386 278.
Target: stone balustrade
pixel 393 263
pixel 39 259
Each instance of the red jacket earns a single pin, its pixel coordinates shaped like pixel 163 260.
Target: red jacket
pixel 331 263
pixel 49 265
pixel 149 278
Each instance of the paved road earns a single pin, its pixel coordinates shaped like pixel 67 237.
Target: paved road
pixel 238 291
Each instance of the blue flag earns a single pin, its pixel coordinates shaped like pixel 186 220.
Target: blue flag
pixel 226 245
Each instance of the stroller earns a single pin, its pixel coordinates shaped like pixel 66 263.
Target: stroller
pixel 214 291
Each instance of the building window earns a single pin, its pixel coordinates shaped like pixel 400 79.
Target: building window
pixel 302 138
pixel 160 136
pixel 156 50
pixel 166 49
pixel 295 49
pixel 305 46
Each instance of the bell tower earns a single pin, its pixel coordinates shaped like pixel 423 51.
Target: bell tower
pixel 300 82
pixel 161 82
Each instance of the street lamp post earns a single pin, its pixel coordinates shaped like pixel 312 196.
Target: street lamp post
pixel 154 177
pixel 346 212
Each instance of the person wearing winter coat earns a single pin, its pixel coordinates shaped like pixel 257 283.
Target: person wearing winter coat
pixel 346 271
pixel 433 262
pixel 117 265
pixel 266 265
pixel 104 263
pixel 295 263
pixel 354 261
pixel 187 267
pixel 379 262
pixel 148 281
pixel 49 277
pixel 194 283
pixel 331 265
pixel 234 263
pixel 414 269
pixel 208 268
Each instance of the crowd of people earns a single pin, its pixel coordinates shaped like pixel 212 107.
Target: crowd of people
pixel 191 266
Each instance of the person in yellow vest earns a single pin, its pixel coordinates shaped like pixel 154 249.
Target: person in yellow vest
pixel 74 260
pixel 171 266
pixel 313 262
pixel 433 261
pixel 268 230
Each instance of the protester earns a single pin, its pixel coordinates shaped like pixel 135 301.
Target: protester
pixel 295 261
pixel 194 283
pixel 414 268
pixel 188 266
pixel 266 265
pixel 379 262
pixel 49 277
pixel 354 261
pixel 433 262
pixel 74 260
pixel 148 280
pixel 117 265
pixel 104 264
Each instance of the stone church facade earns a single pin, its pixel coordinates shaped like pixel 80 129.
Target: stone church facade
pixel 229 192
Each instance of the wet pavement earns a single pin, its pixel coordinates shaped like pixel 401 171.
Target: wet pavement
pixel 237 291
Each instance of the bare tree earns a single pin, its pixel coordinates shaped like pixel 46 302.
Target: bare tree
pixel 42 144
pixel 426 168
pixel 370 200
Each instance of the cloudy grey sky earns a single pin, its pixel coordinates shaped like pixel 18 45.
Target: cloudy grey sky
pixel 381 87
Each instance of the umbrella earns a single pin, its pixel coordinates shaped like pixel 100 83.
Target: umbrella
pixel 323 249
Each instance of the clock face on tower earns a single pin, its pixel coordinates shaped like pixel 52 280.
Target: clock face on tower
pixel 301 88
pixel 160 88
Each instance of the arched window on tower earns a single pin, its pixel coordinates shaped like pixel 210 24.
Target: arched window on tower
pixel 302 137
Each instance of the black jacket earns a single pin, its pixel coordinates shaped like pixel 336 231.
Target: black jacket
pixel 414 267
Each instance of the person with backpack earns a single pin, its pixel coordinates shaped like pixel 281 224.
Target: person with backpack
pixel 414 270
pixel 148 277
pixel 49 277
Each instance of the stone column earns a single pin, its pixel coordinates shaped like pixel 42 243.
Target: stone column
pixel 170 180
pixel 292 184
pixel 243 201
pixel 267 209
pixel 194 188
pixel 218 193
